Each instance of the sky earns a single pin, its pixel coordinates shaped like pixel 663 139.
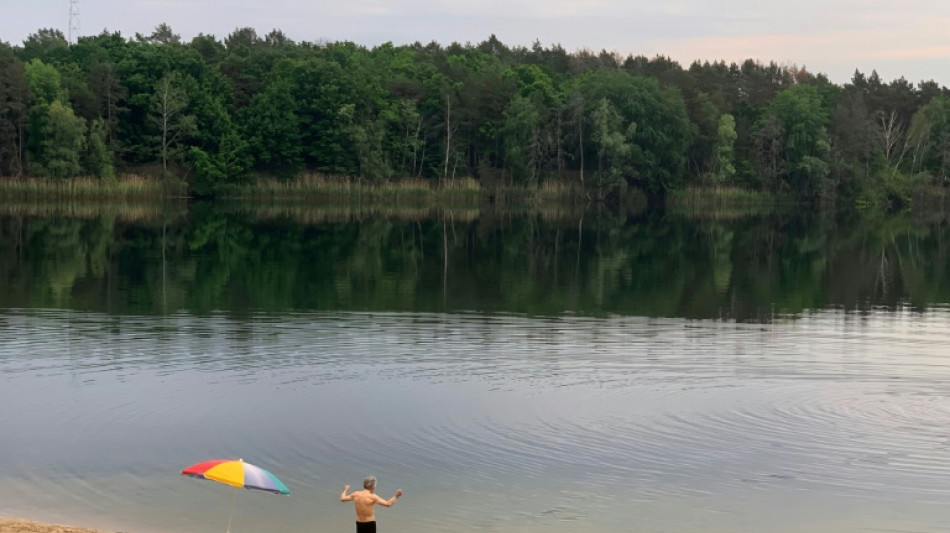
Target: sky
pixel 834 37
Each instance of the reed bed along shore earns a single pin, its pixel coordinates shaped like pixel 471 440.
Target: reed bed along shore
pixel 347 196
pixel 309 189
pixel 127 186
pixel 129 197
pixel 309 198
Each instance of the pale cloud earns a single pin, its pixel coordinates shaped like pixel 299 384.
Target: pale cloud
pixel 929 52
pixel 836 54
pixel 844 45
pixel 518 9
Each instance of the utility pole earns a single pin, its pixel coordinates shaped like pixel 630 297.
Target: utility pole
pixel 73 20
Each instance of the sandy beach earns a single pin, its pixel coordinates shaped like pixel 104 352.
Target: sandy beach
pixel 13 525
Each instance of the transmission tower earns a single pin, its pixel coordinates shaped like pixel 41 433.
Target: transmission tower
pixel 73 20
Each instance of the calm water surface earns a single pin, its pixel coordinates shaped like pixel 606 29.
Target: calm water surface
pixel 828 419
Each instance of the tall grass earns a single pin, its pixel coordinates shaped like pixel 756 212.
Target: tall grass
pixel 314 189
pixel 88 188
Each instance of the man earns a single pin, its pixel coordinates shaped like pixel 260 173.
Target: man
pixel 365 501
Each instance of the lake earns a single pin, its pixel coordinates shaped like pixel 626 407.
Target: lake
pixel 510 371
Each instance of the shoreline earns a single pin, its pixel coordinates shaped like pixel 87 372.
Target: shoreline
pixel 20 525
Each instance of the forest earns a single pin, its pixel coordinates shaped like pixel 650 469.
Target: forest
pixel 222 113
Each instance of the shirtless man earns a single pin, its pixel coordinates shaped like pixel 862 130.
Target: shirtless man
pixel 365 501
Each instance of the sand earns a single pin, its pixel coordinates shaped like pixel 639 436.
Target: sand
pixel 12 525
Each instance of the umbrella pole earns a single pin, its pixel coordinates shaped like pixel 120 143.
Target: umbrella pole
pixel 233 497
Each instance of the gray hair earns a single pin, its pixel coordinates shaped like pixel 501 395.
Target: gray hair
pixel 369 483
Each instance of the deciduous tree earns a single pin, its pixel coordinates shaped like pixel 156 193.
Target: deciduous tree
pixel 170 118
pixel 64 140
pixel 14 95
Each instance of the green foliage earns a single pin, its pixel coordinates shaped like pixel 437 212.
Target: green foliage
pixel 64 140
pixel 659 142
pixel 522 139
pixel 724 150
pixel 80 96
pixel 366 137
pixel 47 43
pixel 228 164
pixel 533 82
pixel 321 89
pixel 891 189
pixel 45 82
pixel 704 115
pixel 930 138
pixel 162 34
pixel 405 139
pixel 14 104
pixel 613 139
pixel 488 111
pixel 272 129
pixel 170 122
pixel 803 118
pixel 767 152
pixel 99 157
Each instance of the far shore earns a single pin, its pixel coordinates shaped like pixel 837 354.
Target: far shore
pixel 15 525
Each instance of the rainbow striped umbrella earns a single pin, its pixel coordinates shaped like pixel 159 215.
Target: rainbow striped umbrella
pixel 237 474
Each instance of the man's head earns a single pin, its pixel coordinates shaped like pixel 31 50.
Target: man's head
pixel 369 483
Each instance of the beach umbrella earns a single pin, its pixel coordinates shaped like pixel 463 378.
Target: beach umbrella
pixel 237 474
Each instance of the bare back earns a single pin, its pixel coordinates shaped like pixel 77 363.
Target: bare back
pixel 365 503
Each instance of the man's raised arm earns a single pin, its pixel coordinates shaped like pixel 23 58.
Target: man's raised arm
pixel 344 497
pixel 391 501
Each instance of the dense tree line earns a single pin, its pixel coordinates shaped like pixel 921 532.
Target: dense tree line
pixel 219 112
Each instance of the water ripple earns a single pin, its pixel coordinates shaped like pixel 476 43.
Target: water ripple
pixel 832 409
